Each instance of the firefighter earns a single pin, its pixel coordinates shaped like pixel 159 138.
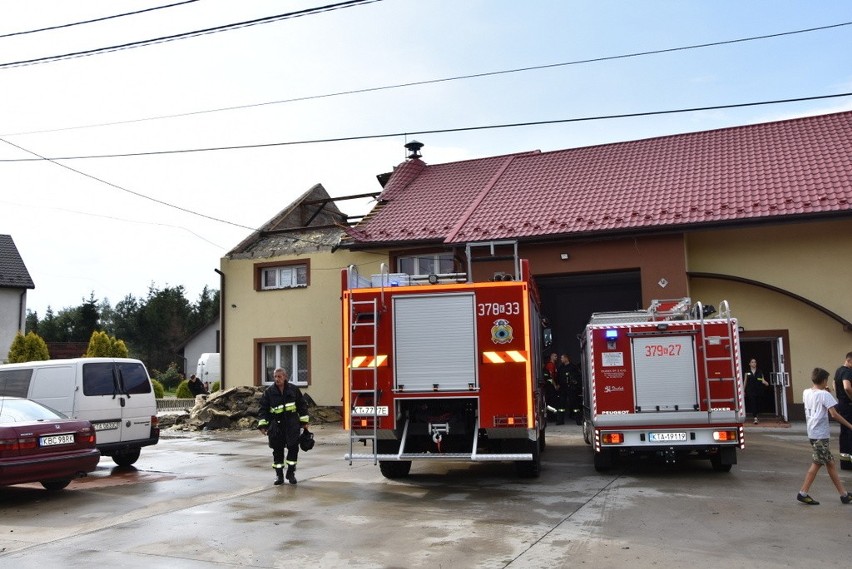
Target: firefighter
pixel 555 391
pixel 569 375
pixel 283 412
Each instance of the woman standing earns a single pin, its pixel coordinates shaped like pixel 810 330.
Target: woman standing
pixel 754 385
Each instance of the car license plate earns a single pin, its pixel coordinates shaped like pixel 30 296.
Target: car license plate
pixel 364 410
pixel 54 440
pixel 666 437
pixel 108 426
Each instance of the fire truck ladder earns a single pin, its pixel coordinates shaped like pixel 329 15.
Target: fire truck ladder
pixel 724 314
pixel 370 322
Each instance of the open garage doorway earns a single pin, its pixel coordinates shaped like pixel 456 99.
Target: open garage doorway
pixel 568 301
pixel 768 348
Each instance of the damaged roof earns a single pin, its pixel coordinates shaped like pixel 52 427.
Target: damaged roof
pixel 311 223
pixel 788 169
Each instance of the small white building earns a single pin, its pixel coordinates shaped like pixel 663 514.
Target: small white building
pixel 15 280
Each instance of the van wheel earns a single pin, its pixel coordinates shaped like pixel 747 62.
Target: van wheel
pixel 126 457
pixel 54 485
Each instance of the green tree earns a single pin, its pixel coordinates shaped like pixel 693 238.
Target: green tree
pixel 205 310
pixel 170 378
pixel 29 348
pixel 102 345
pixel 163 325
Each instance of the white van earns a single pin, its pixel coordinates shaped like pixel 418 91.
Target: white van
pixel 114 394
pixel 209 369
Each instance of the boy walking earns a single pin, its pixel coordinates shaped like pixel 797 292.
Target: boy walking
pixel 819 403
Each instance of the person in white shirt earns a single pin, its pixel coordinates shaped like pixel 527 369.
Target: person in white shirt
pixel 819 404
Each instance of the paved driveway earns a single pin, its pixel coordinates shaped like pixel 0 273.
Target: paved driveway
pixel 206 500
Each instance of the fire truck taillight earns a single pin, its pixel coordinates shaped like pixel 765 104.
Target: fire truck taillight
pixel 725 436
pixel 612 438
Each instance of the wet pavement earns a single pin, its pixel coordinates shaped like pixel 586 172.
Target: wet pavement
pixel 202 500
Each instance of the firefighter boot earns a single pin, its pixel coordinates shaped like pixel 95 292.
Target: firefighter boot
pixel 291 474
pixel 560 417
pixel 279 476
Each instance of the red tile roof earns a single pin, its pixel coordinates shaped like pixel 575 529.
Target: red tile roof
pixel 793 168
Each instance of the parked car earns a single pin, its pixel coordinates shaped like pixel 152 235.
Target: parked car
pixel 38 444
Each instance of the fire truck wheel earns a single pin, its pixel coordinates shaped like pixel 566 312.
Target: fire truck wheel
pixel 395 468
pixel 542 443
pixel 530 468
pixel 603 460
pixel 716 462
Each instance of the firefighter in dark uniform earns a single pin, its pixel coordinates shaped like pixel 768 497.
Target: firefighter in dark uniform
pixel 283 412
pixel 570 377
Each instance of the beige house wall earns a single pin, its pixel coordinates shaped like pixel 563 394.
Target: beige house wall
pixel 312 313
pixel 810 260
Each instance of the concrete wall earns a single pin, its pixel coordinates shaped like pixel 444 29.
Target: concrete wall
pixel 12 314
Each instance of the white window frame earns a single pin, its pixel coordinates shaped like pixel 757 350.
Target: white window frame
pixel 432 261
pixel 278 352
pixel 284 276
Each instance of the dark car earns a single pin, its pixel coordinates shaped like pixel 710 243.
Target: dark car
pixel 38 444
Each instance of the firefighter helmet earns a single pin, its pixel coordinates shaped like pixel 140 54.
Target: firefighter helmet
pixel 306 440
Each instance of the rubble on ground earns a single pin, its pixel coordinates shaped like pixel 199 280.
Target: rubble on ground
pixel 236 408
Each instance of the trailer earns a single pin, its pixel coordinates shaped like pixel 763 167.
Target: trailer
pixel 442 368
pixel 663 382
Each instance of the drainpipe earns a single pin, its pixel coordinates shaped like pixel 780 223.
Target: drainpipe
pixel 22 305
pixel 221 329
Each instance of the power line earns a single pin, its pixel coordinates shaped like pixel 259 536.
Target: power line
pixel 62 26
pixel 432 131
pixel 161 202
pixel 449 79
pixel 186 35
pixel 123 189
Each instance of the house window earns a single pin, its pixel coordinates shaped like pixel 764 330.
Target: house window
pixel 275 276
pixel 292 356
pixel 429 264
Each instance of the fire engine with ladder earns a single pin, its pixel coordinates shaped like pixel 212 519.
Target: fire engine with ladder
pixel 442 368
pixel 665 382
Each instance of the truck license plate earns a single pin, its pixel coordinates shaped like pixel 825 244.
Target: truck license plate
pixel 54 440
pixel 107 426
pixel 364 410
pixel 666 437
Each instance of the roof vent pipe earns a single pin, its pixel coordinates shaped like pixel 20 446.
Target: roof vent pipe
pixel 413 148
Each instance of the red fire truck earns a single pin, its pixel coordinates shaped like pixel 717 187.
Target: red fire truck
pixel 664 382
pixel 443 368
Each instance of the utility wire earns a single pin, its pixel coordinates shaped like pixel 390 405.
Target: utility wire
pixel 430 131
pixel 123 189
pixel 446 79
pixel 186 35
pixel 62 26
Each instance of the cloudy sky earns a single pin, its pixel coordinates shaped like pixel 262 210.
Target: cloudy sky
pixel 378 72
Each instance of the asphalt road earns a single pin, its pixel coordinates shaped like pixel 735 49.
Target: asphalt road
pixel 206 500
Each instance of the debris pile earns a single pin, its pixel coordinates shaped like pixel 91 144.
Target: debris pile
pixel 236 408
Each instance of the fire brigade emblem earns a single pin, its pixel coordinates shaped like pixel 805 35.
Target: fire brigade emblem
pixel 501 332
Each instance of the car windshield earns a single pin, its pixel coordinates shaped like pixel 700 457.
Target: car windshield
pixel 22 410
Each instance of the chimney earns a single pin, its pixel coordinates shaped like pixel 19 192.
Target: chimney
pixel 413 148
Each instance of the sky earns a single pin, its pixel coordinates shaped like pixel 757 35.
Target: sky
pixel 379 73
